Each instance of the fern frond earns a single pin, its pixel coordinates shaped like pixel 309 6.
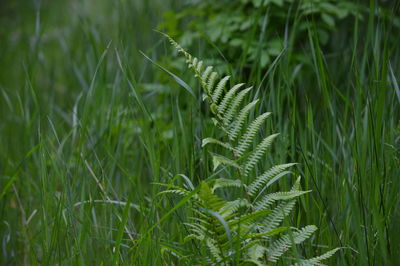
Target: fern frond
pixel 231 207
pixel 278 247
pixel 255 253
pixel 296 185
pixel 248 218
pixel 270 233
pixel 180 192
pixel 198 230
pixel 228 98
pixel 250 133
pixel 201 218
pixel 199 67
pixel 193 63
pixel 205 75
pixel 172 189
pixel 319 259
pixel 215 251
pixel 249 243
pixel 209 199
pixel 232 109
pixel 218 160
pixel 221 223
pixel 197 226
pixel 267 200
pixel 188 56
pixel 219 89
pixel 256 155
pixel 176 45
pixel 238 123
pixel 218 142
pixel 192 237
pixel 211 82
pixel 224 183
pixel 278 214
pixel 270 174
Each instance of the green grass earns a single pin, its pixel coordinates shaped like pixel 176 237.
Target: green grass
pixel 87 125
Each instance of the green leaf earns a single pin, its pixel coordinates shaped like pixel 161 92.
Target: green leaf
pixel 218 160
pixel 215 141
pixel 223 183
pixel 328 19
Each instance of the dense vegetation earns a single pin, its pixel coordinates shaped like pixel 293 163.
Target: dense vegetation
pixel 109 155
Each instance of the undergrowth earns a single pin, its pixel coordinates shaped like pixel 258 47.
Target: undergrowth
pixel 244 228
pixel 89 128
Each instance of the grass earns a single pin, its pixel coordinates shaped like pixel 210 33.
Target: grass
pixel 88 125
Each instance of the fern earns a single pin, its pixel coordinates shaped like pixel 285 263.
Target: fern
pixel 228 98
pixel 319 259
pixel 220 88
pixel 282 210
pixel 246 228
pixel 215 141
pixel 237 125
pixel 224 183
pixel 251 132
pixel 281 245
pixel 267 176
pixel 231 111
pixel 259 151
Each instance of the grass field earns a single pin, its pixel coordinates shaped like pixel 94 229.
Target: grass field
pixel 89 125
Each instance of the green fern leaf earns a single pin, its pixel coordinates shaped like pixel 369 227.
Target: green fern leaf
pixel 215 251
pixel 270 233
pixel 250 133
pixel 172 189
pixel 219 89
pixel 199 67
pixel 255 253
pixel 238 123
pixel 210 201
pixel 267 200
pixel 231 111
pixel 215 141
pixel 297 185
pixel 249 218
pixel 198 230
pixel 205 76
pixel 193 63
pixel 180 192
pixel 218 160
pixel 228 98
pixel 256 155
pixel 224 183
pixel 317 260
pixel 250 226
pixel 280 246
pixel 211 82
pixel 278 214
pixel 192 237
pixel 254 187
pixel 231 207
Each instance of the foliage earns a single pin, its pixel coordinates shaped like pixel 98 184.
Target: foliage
pixel 88 126
pixel 256 31
pixel 243 229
